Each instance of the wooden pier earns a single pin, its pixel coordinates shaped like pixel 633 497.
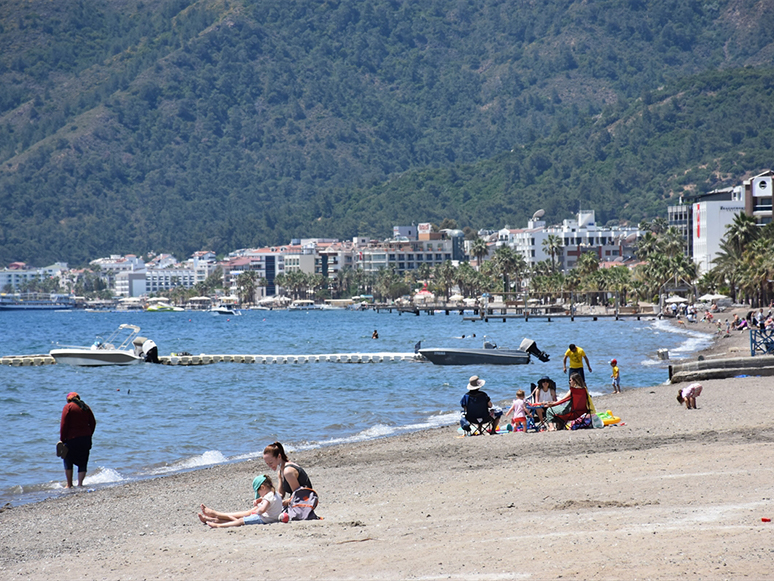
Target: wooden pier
pixel 507 312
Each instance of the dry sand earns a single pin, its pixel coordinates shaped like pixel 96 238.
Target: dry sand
pixel 673 493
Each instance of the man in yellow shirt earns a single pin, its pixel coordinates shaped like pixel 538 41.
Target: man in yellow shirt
pixel 577 357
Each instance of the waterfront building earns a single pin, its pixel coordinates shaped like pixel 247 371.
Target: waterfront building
pixel 758 197
pixel 680 217
pixel 710 219
pixel 577 236
pixel 526 241
pixel 129 284
pixel 110 267
pixel 266 262
pixel 17 274
pixel 401 254
pixel 167 278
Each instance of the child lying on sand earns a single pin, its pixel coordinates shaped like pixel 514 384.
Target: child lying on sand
pixel 268 507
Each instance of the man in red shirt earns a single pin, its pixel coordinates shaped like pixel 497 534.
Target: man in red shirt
pixel 75 431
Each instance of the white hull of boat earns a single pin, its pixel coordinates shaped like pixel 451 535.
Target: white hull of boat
pixel 95 357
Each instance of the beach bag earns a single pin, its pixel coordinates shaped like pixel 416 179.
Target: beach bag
pixel 61 450
pixel 581 423
pixel 303 501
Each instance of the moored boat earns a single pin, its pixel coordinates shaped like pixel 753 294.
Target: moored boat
pixel 128 352
pixel 490 354
pixel 36 302
pixel 303 305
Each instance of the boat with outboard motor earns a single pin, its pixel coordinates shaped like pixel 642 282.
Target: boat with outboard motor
pixel 224 310
pixel 490 354
pixel 131 349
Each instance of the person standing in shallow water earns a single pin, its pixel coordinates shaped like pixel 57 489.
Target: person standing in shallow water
pixel 75 431
pixel 577 356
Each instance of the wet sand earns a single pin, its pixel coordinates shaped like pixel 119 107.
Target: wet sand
pixel 673 493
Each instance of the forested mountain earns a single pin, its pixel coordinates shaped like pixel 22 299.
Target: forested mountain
pixel 176 125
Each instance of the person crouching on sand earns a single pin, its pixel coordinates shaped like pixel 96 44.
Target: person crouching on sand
pixel 689 395
pixel 267 508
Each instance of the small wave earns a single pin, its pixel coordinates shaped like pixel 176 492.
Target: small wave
pixel 103 476
pixel 207 459
pixel 653 362
pixel 696 340
pixel 382 431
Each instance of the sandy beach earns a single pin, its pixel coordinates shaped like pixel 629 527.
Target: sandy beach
pixel 673 493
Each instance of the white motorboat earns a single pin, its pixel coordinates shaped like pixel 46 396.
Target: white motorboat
pixel 224 310
pixel 163 308
pixel 303 305
pixel 130 350
pixel 162 305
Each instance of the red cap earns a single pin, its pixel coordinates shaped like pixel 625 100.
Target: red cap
pixel 72 395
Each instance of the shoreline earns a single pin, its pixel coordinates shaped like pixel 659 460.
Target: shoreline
pixel 673 492
pixel 199 463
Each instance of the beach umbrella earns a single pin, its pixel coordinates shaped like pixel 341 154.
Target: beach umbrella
pixel 707 297
pixel 457 297
pixel 676 300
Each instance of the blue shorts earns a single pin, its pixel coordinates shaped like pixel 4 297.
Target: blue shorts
pixel 254 519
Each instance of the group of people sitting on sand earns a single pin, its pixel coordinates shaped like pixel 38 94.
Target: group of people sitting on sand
pixel 271 503
pixel 541 407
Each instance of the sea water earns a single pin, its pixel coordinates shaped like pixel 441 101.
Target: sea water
pixel 157 419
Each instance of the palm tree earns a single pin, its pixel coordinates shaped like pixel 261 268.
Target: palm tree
pixel 742 231
pixel 479 249
pixel 444 276
pixel 552 245
pixel 246 285
pixel 587 264
pixel 508 263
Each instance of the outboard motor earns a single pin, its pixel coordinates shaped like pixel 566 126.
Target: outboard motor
pixel 531 347
pixel 150 351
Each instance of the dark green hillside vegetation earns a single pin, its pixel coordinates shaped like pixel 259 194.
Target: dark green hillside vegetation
pixel 704 133
pixel 176 125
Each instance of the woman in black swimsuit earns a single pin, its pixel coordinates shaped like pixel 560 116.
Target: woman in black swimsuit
pixel 289 474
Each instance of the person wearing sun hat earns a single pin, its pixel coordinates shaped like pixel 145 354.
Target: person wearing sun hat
pixel 476 403
pixel 267 508
pixel 75 431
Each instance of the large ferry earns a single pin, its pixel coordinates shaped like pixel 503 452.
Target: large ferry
pixel 36 302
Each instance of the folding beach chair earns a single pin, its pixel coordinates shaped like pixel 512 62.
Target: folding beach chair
pixel 579 405
pixel 477 419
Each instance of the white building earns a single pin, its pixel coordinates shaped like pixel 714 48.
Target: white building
pixel 526 241
pixel 110 267
pixel 709 227
pixel 130 284
pixel 583 235
pixel 758 197
pixel 161 279
pixel 11 278
pixel 577 236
